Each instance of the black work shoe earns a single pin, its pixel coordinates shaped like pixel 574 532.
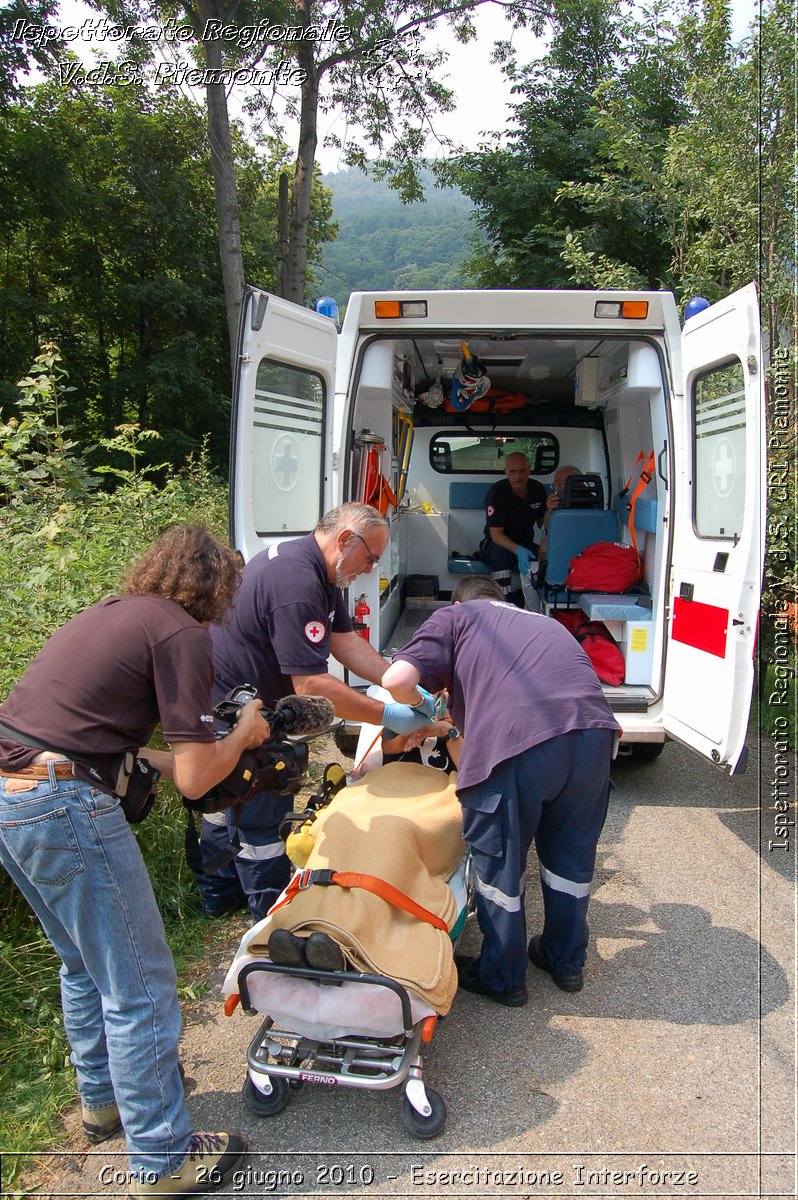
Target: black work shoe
pixel 212 1159
pixel 324 953
pixel 468 979
pixel 566 983
pixel 286 948
pixel 99 1124
pixel 222 909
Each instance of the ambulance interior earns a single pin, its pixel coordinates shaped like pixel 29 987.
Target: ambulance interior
pixel 592 402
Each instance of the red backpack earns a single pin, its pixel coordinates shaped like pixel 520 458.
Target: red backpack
pixel 604 567
pixel 598 644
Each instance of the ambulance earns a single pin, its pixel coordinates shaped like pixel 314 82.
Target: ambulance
pixel 414 403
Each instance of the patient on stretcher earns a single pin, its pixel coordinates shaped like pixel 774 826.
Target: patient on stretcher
pixel 387 847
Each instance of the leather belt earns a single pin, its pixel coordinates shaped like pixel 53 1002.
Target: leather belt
pixel 63 770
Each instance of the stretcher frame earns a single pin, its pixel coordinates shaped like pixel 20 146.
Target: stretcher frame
pixel 279 1058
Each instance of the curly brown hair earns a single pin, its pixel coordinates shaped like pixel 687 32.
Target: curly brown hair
pixel 190 566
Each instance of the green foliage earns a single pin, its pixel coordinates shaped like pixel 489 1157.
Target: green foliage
pixel 36 451
pixel 64 545
pixel 541 195
pixel 109 245
pixel 384 243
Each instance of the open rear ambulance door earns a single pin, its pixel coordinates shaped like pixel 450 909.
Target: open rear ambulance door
pixel 281 419
pixel 719 531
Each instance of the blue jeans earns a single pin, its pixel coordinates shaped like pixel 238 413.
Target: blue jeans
pixel 70 851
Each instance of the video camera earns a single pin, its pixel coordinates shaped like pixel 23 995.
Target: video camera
pixel 278 765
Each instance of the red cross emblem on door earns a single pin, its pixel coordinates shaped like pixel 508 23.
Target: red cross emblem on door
pixel 314 631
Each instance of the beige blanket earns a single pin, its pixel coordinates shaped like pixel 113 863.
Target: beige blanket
pixel 401 823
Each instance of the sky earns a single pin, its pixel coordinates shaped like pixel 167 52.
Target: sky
pixel 482 92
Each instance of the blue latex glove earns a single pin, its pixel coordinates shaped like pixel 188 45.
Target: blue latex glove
pixel 401 718
pixel 426 706
pixel 525 560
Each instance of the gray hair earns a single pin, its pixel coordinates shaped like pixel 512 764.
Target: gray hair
pixel 360 518
pixel 476 587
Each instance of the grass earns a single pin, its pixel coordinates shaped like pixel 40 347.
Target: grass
pixel 774 712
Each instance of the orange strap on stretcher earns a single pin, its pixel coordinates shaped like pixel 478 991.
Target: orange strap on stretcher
pixel 646 475
pixel 369 883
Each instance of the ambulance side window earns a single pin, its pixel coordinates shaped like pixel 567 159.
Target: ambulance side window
pixel 719 419
pixel 287 449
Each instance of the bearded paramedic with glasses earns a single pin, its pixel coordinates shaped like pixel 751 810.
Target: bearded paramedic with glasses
pixel 289 617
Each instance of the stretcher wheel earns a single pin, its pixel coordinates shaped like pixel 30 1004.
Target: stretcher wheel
pixel 424 1127
pixel 262 1105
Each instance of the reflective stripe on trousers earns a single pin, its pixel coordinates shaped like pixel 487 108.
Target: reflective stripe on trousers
pixel 554 794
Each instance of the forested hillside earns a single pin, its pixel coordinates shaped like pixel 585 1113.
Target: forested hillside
pixel 383 243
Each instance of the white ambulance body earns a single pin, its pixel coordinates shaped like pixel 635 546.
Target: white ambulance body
pixel 598 377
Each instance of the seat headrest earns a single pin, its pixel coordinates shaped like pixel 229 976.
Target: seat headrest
pixel 583 491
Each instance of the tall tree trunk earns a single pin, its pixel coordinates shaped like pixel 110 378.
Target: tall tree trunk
pixel 282 234
pixel 305 159
pixel 227 216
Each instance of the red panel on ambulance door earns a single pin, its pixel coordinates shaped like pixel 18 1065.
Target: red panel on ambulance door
pixel 703 626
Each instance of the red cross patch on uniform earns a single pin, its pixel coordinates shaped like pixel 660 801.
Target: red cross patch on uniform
pixel 314 631
pixel 491 510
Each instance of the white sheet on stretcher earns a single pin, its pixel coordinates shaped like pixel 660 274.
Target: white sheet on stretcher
pixel 323 1012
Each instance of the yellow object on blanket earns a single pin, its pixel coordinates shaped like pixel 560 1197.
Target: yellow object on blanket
pixel 299 843
pixel 401 823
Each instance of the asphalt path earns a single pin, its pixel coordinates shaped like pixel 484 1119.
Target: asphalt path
pixel 672 1073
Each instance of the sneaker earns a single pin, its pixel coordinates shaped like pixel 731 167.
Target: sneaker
pixel 566 983
pixel 468 979
pixel 212 1159
pixel 99 1124
pixel 324 953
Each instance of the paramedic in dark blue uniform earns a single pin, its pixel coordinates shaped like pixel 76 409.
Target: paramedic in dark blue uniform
pixel 514 506
pixel 538 738
pixel 289 616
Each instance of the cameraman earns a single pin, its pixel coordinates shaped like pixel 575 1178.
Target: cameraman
pixel 290 615
pixel 94 694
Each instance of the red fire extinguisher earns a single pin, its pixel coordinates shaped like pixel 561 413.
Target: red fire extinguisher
pixel 362 614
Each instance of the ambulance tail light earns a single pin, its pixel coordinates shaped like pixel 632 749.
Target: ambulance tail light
pixel 631 310
pixel 387 309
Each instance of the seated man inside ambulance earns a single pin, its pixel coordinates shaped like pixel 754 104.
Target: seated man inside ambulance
pixel 514 507
pixel 554 501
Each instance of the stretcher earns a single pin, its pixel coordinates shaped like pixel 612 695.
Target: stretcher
pixel 357 1028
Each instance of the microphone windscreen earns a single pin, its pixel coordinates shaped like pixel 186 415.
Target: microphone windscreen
pixel 302 716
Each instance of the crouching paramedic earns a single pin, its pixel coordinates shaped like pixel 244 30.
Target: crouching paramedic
pixel 90 700
pixel 538 738
pixel 289 616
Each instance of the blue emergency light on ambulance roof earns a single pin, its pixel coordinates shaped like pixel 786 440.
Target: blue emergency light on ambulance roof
pixel 693 307
pixel 328 307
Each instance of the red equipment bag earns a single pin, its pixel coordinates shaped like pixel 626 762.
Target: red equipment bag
pixel 603 651
pixel 604 567
pixel 494 401
pixel 598 644
pixel 571 618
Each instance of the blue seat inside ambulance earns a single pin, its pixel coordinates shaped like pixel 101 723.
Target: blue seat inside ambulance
pixel 568 532
pixel 468 496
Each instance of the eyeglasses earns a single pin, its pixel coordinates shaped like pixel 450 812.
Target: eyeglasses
pixel 373 558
